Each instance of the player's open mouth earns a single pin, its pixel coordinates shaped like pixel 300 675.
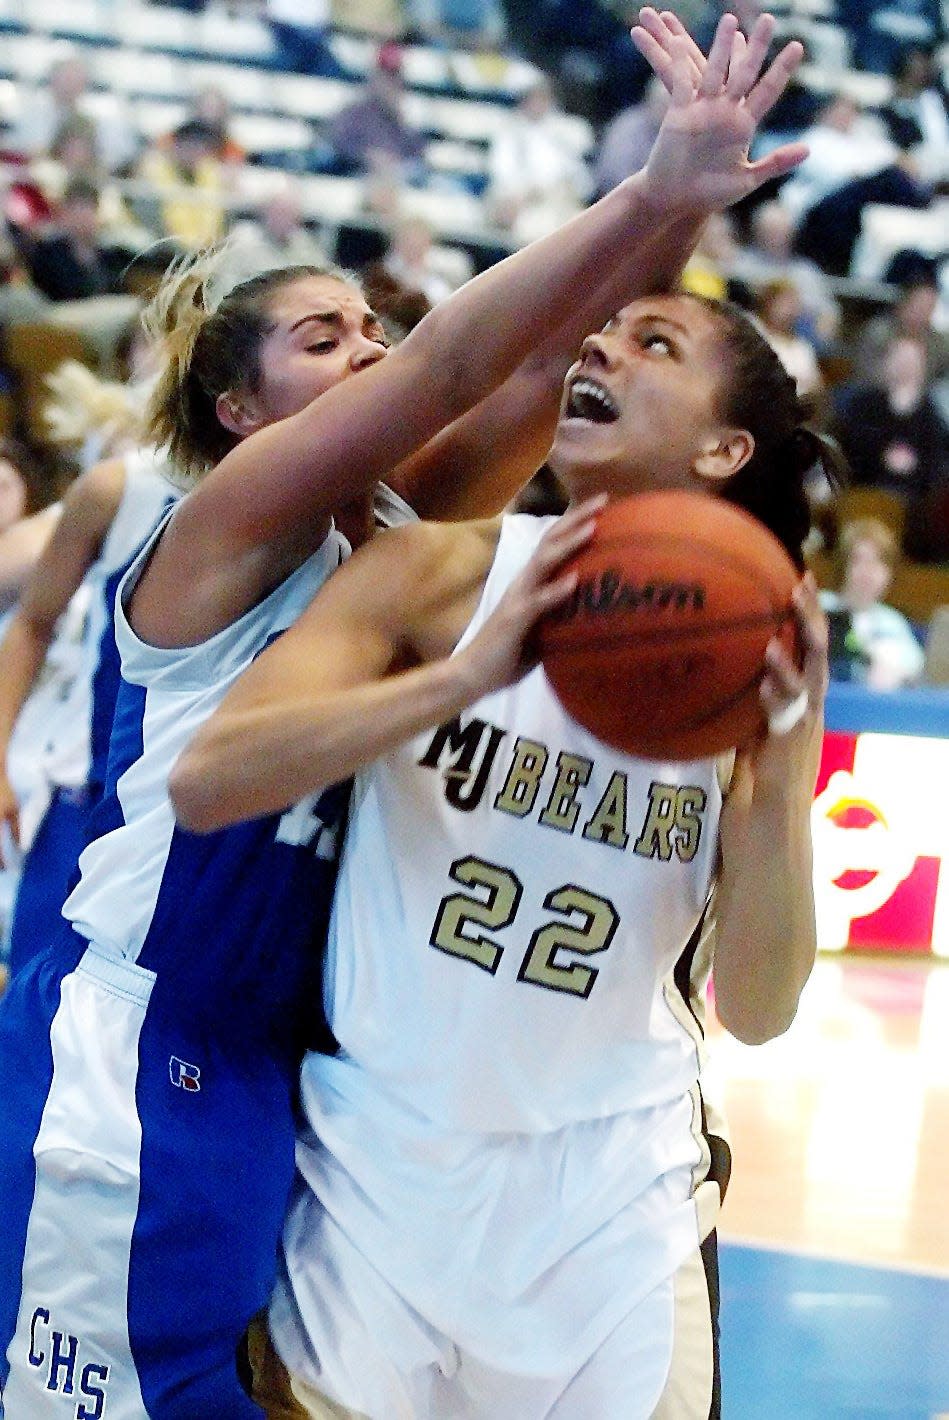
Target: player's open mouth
pixel 589 400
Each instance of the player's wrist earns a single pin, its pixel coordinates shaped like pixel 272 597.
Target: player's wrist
pixel 660 201
pixel 462 679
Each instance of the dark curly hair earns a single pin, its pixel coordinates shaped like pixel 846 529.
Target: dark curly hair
pixel 760 396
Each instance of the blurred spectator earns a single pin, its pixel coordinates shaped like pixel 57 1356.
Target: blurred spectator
pixel 587 46
pixel 74 154
pixel 211 106
pixel 881 32
pixel 628 138
pixel 850 163
pixel 468 24
pixel 137 359
pixel 72 261
pixel 870 642
pixel 61 99
pixel 890 429
pixel 417 264
pixel 537 178
pixel 843 144
pixel 916 117
pixel 19 298
pixel 778 308
pixel 705 271
pixel 372 131
pixel 299 29
pixel 383 19
pixel 911 316
pixel 279 237
pixel 189 181
pixel 770 256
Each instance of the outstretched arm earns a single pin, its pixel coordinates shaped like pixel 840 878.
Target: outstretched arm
pixel 291 473
pixel 87 513
pixel 475 466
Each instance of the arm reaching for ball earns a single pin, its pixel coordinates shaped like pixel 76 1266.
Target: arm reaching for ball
pixel 766 938
pixel 370 664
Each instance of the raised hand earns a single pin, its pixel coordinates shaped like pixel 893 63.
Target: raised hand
pixel 700 157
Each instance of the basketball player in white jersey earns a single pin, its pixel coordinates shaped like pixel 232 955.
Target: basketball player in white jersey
pixel 138 1239
pixel 508 1181
pixel 105 517
pixel 506 1176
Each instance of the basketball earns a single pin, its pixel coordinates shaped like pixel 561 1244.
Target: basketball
pixel 659 650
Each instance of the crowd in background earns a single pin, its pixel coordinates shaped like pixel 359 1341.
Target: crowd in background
pixel 94 209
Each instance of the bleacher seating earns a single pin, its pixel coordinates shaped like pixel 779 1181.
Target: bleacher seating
pixel 147 61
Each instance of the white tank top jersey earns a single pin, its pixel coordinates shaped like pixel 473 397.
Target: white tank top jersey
pixel 165 696
pixel 517 956
pixel 146 496
pixel 122 869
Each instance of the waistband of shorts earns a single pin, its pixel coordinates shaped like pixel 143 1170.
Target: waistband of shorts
pixel 121 977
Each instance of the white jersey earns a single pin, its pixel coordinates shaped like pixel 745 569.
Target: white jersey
pixel 512 1128
pixel 50 740
pixel 140 866
pixel 146 494
pixel 53 743
pixel 165 696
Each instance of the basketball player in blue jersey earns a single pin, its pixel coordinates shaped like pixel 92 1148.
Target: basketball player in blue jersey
pixel 152 1050
pixel 508 1183
pixel 106 516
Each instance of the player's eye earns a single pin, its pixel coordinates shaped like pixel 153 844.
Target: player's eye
pixel 321 347
pixel 661 344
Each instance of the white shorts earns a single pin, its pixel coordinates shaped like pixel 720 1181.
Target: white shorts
pixel 660 1363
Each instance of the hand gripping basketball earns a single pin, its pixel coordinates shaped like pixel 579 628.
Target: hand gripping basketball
pixel 505 648
pixel 683 608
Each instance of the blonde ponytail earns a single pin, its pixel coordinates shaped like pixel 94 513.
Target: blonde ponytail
pixel 81 406
pixel 173 321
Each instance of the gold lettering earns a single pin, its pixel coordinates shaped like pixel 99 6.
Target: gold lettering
pixel 523 778
pixel 655 840
pixel 690 802
pixel 608 824
pixel 562 811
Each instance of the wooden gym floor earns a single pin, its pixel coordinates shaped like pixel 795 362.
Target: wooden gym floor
pixel 835 1231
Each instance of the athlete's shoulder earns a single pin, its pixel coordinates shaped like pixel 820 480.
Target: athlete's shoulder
pixel 408 578
pixel 424 549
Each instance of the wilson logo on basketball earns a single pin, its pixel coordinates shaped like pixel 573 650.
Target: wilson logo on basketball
pixel 609 592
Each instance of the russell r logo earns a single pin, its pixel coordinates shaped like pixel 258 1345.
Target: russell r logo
pixel 183 1075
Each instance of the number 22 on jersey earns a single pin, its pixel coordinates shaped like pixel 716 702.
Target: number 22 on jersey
pixel 464 919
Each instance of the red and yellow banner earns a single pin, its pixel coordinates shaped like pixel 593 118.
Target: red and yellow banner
pixel 881 844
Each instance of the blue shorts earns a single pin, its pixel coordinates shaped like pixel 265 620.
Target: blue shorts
pixel 146 1168
pixel 45 879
